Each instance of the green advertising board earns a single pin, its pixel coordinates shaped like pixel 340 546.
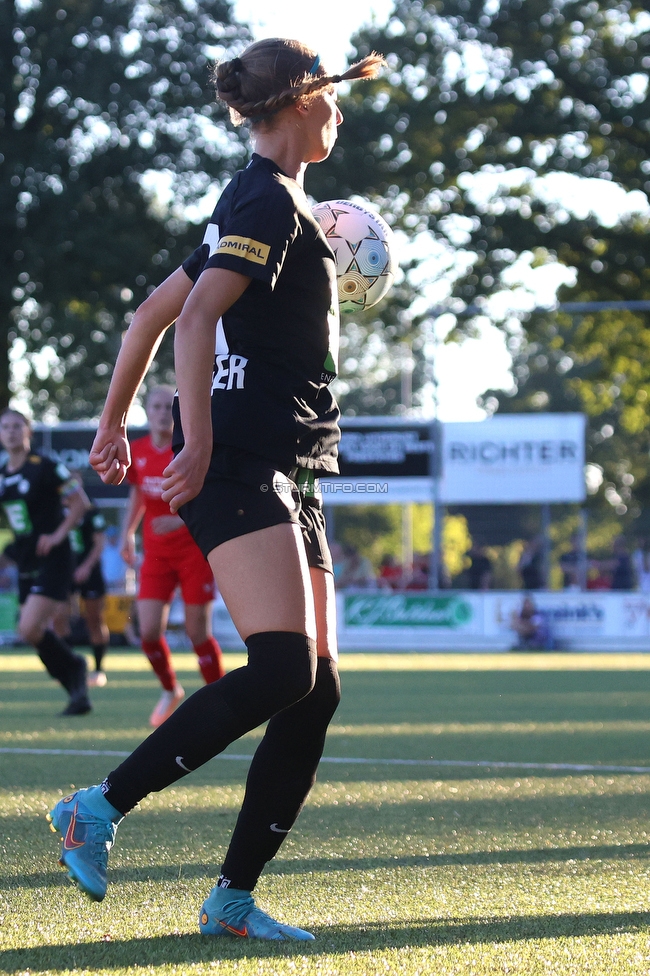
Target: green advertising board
pixel 8 612
pixel 406 610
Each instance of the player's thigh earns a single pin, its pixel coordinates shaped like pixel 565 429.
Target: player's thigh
pixel 152 618
pixel 35 614
pixel 265 582
pixel 325 608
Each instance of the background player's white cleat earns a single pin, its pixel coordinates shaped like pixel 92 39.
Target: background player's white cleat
pixel 97 679
pixel 167 703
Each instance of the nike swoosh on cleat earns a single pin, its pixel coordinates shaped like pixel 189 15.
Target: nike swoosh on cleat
pixel 230 928
pixel 179 761
pixel 69 843
pixel 279 830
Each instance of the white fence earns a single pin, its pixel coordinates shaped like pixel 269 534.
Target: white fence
pixel 459 620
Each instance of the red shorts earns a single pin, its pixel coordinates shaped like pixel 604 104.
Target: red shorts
pixel 187 568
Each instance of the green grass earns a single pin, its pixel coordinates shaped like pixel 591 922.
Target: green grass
pixel 396 869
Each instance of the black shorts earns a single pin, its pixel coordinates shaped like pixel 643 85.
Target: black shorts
pixel 94 587
pixel 243 493
pixel 52 577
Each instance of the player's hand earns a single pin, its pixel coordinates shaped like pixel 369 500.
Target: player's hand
pixel 127 551
pixel 110 455
pixel 81 575
pixel 162 524
pixel 45 544
pixel 184 476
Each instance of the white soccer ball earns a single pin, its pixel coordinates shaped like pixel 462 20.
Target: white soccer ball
pixel 364 247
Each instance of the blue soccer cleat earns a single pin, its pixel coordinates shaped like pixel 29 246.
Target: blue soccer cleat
pixel 230 911
pixel 87 839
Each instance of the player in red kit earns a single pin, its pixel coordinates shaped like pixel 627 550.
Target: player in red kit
pixel 171 559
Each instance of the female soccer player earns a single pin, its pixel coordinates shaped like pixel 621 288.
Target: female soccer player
pixel 171 558
pixel 32 491
pixel 256 423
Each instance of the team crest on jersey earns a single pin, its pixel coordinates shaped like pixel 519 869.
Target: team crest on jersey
pixel 34 459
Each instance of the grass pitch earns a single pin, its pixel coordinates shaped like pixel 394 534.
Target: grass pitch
pixel 396 868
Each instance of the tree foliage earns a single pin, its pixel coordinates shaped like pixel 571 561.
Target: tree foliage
pixel 95 96
pixel 502 129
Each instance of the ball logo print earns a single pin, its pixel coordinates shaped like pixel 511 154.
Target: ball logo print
pixel 364 248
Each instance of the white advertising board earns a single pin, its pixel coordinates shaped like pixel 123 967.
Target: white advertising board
pixel 514 459
pixel 458 620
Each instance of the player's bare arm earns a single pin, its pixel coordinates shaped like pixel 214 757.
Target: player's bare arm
pixel 132 519
pixel 216 290
pixel 110 455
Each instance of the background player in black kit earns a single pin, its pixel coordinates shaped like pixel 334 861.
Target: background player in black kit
pixel 259 424
pixel 32 491
pixel 87 541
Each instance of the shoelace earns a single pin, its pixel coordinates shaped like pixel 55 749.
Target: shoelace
pixel 236 911
pixel 102 836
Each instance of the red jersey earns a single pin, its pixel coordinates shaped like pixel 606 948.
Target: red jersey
pixel 146 472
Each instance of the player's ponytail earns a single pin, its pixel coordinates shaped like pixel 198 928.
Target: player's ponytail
pixel 277 72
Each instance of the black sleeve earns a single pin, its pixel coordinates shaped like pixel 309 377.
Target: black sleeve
pixel 194 264
pixel 256 233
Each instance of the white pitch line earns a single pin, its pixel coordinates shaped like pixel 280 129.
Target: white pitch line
pixel 458 763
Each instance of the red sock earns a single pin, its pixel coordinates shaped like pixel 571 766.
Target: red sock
pixel 160 659
pixel 210 660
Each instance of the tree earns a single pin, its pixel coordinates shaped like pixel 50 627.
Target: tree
pixel 95 97
pixel 484 133
pixel 607 379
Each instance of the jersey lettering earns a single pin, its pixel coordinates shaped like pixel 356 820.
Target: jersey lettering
pixel 245 247
pixel 18 517
pixel 76 541
pixel 229 372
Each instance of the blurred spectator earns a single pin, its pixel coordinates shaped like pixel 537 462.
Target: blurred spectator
pixel 420 576
pixel 596 578
pixel 570 565
pixel 118 576
pixel 641 565
pixel 531 627
pixel 531 564
pixel 356 570
pixel 391 575
pixel 8 572
pixel 620 566
pixel 479 573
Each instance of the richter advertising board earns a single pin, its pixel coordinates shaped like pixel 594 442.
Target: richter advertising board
pixel 513 459
pixel 517 458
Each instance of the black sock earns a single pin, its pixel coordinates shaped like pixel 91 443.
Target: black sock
pixel 282 773
pixel 280 671
pixel 99 650
pixel 61 662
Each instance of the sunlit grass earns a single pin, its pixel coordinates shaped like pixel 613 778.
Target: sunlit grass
pixel 406 870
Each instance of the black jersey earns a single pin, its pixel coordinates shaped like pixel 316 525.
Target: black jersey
pixel 32 501
pixel 277 347
pixel 82 537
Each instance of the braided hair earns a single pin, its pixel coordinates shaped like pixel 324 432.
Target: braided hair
pixel 277 72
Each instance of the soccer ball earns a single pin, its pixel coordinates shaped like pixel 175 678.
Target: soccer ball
pixel 364 248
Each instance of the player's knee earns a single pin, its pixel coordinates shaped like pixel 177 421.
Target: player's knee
pixel 31 631
pixel 197 633
pixel 285 663
pixel 150 633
